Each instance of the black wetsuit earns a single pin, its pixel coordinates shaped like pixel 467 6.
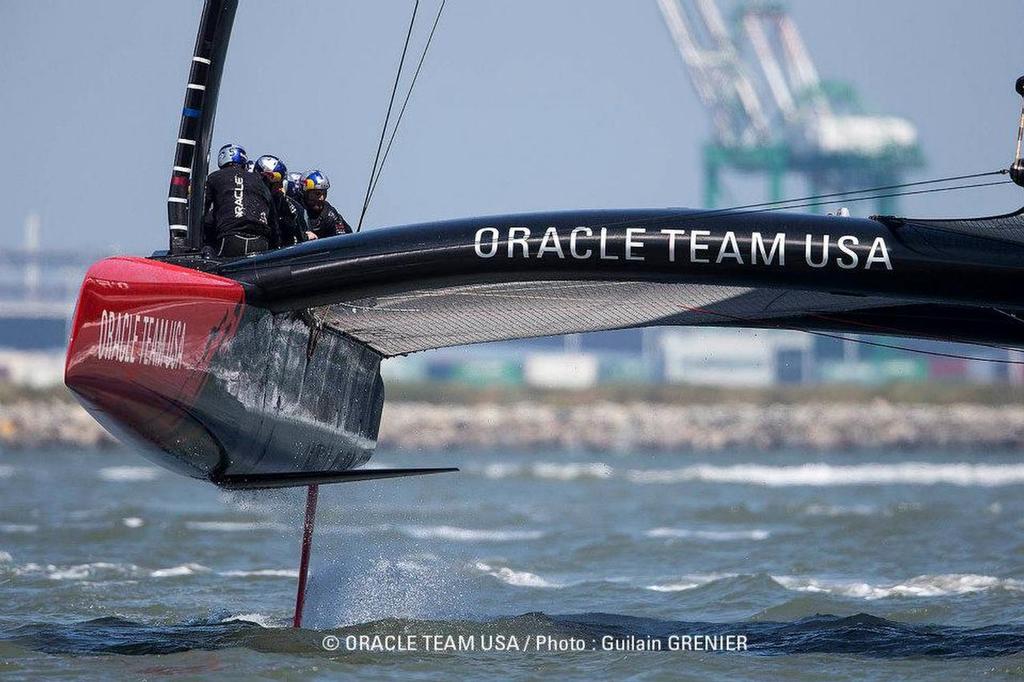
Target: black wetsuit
pixel 291 219
pixel 240 216
pixel 328 223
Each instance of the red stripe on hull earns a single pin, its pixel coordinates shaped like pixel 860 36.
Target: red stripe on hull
pixel 142 339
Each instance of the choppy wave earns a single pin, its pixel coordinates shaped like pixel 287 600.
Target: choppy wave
pixel 688 582
pixel 862 635
pixel 128 473
pixel 234 526
pixel 515 578
pixel 254 618
pixel 920 586
pixel 262 573
pixel 909 473
pixel 550 470
pixel 89 571
pixel 106 570
pixel 470 534
pixel 178 571
pixel 710 535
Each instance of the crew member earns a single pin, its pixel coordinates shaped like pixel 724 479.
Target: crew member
pixel 322 218
pixel 239 219
pixel 291 218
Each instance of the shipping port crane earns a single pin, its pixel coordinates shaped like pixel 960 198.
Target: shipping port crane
pixel 771 112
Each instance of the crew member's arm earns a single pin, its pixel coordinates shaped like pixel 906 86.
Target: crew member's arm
pixel 208 225
pixel 342 227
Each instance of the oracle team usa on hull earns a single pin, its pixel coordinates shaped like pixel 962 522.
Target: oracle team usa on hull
pixel 693 246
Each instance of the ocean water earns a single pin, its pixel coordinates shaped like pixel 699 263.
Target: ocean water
pixel 864 565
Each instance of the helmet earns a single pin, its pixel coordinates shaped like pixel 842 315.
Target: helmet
pixel 231 153
pixel 250 166
pixel 271 168
pixel 293 185
pixel 315 179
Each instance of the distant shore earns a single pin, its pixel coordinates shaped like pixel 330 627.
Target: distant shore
pixel 604 424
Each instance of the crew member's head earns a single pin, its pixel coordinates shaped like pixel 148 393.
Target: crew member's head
pixel 293 186
pixel 231 155
pixel 272 170
pixel 314 191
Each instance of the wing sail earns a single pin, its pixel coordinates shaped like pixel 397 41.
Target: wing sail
pixel 406 289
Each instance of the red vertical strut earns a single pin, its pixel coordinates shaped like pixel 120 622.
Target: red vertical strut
pixel 307 545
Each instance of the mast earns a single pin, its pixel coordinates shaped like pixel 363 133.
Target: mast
pixel 192 149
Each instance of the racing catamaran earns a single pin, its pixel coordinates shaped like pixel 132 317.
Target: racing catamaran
pixel 264 371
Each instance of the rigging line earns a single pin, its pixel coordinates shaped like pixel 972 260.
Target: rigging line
pixel 922 351
pixel 883 188
pixel 673 217
pixel 408 94
pixel 869 198
pixel 387 116
pixel 847 337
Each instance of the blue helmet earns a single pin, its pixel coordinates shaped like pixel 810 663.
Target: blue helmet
pixel 271 168
pixel 315 179
pixel 231 154
pixel 293 185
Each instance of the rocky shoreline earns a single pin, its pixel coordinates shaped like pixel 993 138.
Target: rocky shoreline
pixel 614 426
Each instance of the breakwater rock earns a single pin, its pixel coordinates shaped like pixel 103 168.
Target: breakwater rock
pixel 654 426
pixel 613 426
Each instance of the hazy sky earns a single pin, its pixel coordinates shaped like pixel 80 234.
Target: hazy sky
pixel 524 105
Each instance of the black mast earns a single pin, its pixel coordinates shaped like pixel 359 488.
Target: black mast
pixel 192 150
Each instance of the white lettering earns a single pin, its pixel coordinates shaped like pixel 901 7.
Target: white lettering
pixel 672 234
pixel 493 242
pixel 882 257
pixel 572 242
pixel 696 246
pixel 844 243
pixel 757 247
pixel 513 240
pixel 604 245
pixel 239 194
pixel 725 252
pixel 139 339
pixel 631 244
pixel 555 246
pixel 824 251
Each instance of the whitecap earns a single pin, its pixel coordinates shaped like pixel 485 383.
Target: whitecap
pixel 254 618
pixel 262 573
pixel 128 473
pixel 18 528
pixel 556 471
pixel 515 578
pixel 501 470
pixel 818 474
pixel 6 471
pixel 234 526
pixel 5 557
pixel 82 571
pixel 688 582
pixel 711 535
pixel 132 522
pixel 470 534
pixel 920 586
pixel 572 471
pixel 178 571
